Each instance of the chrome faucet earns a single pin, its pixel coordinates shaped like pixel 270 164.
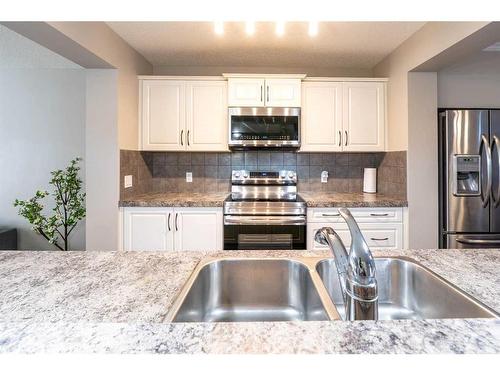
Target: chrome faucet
pixel 356 270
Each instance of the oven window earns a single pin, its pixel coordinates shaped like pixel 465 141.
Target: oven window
pixel 263 237
pixel 265 128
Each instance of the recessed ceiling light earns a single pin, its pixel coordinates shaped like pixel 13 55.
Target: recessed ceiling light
pixel 493 48
pixel 313 28
pixel 280 28
pixel 250 27
pixel 219 27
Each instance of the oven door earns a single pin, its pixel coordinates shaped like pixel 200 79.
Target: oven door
pixel 264 232
pixel 269 127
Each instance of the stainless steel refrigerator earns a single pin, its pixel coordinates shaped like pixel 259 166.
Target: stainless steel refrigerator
pixel 469 186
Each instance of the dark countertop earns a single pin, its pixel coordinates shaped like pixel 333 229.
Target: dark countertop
pixel 115 302
pixel 319 199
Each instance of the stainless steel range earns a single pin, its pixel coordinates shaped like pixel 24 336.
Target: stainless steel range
pixel 264 211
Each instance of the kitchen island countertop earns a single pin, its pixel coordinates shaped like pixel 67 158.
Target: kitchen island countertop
pixel 115 302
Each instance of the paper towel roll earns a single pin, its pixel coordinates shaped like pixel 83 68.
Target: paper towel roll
pixel 370 180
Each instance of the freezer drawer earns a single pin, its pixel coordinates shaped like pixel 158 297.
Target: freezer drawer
pixel 473 241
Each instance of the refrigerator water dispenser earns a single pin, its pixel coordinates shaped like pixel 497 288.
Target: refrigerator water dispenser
pixel 466 175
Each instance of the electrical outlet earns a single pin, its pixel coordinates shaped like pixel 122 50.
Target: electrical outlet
pixel 324 177
pixel 189 176
pixel 127 181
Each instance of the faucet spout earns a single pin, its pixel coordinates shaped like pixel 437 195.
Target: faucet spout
pixel 356 270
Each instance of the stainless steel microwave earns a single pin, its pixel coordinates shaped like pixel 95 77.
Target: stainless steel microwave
pixel 264 127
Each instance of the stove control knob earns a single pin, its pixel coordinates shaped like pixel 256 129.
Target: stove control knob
pixel 291 174
pixel 245 175
pixel 282 174
pixel 237 175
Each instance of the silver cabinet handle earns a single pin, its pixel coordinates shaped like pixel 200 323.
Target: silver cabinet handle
pixel 261 93
pixel 484 143
pixel 379 239
pixel 379 214
pixel 470 241
pixel 346 137
pixel 267 95
pixel 340 138
pixel 187 137
pixel 176 216
pixel 168 221
pixel 496 143
pixel 331 215
pixel 182 133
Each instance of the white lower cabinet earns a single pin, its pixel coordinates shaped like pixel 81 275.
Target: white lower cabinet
pixel 383 228
pixel 172 229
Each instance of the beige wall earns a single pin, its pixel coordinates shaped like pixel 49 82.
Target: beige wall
pixel 99 39
pixel 422 160
pixel 425 44
pixel 218 70
pixel 473 90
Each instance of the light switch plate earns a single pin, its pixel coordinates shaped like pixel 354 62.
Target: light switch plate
pixel 127 181
pixel 189 176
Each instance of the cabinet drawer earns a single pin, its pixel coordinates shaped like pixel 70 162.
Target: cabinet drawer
pixel 362 215
pixel 386 236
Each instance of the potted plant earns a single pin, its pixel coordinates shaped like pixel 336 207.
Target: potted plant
pixel 69 207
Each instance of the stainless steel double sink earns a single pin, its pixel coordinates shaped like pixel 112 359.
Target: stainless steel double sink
pixel 307 288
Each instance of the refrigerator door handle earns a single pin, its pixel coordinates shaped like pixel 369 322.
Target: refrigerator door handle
pixel 496 143
pixel 470 241
pixel 484 143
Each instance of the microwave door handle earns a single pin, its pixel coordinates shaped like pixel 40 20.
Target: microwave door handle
pixel 486 145
pixel 496 143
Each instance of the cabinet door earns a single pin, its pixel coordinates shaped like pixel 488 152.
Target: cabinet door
pixel 163 115
pixel 364 116
pixel 283 92
pixel 379 236
pixel 321 123
pixel 206 116
pixel 148 229
pixel 245 92
pixel 198 229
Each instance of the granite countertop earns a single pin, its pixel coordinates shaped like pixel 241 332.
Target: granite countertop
pixel 322 199
pixel 175 200
pixel 115 302
pixel 319 199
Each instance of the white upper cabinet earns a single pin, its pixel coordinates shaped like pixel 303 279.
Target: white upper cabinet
pixel 343 116
pixel 163 115
pixel 264 92
pixel 283 92
pixel 321 124
pixel 364 116
pixel 246 92
pixel 206 116
pixel 183 115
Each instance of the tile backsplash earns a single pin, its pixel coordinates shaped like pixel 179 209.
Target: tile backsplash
pixel 166 171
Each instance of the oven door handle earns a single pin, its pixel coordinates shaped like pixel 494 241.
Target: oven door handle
pixel 264 220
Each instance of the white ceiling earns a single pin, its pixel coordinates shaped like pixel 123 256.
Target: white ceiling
pixel 338 44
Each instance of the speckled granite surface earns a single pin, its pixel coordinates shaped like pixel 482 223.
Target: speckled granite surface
pixel 115 303
pixel 321 199
pixel 217 200
pixel 175 200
